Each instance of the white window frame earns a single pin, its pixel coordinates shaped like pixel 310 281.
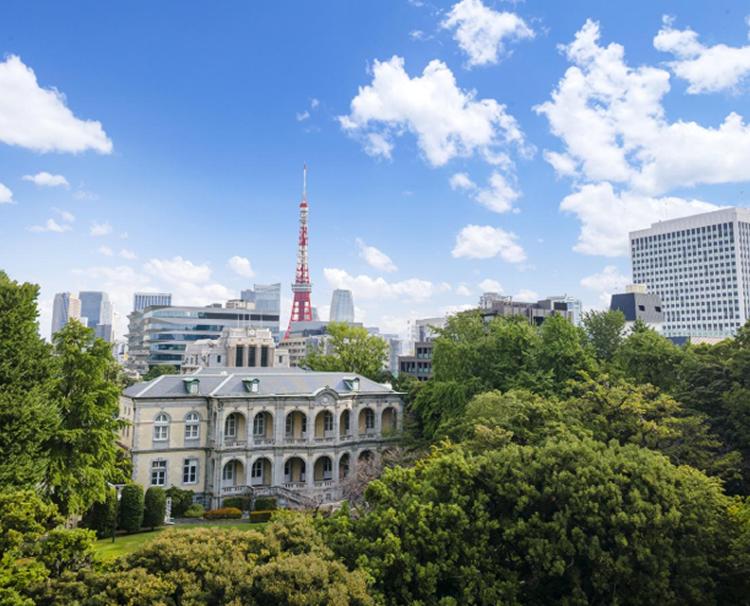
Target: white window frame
pixel 161 427
pixel 369 419
pixel 231 423
pixel 256 471
pixel 192 426
pixel 327 421
pixel 228 477
pixel 159 470
pixel 188 466
pixel 259 425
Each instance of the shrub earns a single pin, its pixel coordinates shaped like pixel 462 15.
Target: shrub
pixel 265 503
pixel 196 510
pixel 223 513
pixel 241 503
pixel 131 508
pixel 155 507
pixel 261 515
pixel 101 517
pixel 181 500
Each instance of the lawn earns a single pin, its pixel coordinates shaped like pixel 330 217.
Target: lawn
pixel 127 543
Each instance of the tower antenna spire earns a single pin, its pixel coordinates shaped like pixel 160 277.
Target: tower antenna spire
pixel 301 305
pixel 304 181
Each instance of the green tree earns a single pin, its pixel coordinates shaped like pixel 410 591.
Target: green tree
pixel 563 352
pixel 353 350
pixel 131 508
pixel 647 357
pixel 102 517
pixel 604 330
pixel 154 507
pixel 82 451
pixel 26 417
pixel 159 370
pixel 567 521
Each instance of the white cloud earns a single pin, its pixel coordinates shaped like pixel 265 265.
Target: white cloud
pixel 485 241
pixel 611 119
pixel 481 32
pixel 526 295
pixel 302 116
pixel 51 226
pixel 497 197
pixel 314 103
pixel 100 229
pixel 45 179
pixel 708 69
pixel 68 217
pixel 241 266
pixel 605 283
pixel 128 254
pixel 463 290
pixel 375 258
pixel 6 196
pixel 38 118
pixel 190 283
pixel 447 121
pixel 106 251
pixel 490 285
pixel 417 34
pixel 606 217
pixel 84 195
pixel 366 287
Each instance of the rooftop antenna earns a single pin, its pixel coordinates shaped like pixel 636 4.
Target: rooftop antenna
pixel 304 181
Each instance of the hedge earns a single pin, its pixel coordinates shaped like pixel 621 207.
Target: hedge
pixel 101 518
pixel 155 507
pixel 265 503
pixel 241 503
pixel 196 510
pixel 262 515
pixel 181 500
pixel 131 508
pixel 223 513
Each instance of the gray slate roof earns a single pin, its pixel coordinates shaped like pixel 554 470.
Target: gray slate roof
pixel 220 383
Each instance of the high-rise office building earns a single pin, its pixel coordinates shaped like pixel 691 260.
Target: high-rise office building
pixel 700 268
pixel 142 300
pixel 342 306
pixel 65 307
pixel 96 307
pixel 267 301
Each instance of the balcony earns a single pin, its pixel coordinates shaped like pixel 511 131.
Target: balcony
pixel 294 485
pixel 230 490
pixel 234 443
pixel 327 438
pixel 263 441
pixel 348 437
pixel 298 440
pixel 324 483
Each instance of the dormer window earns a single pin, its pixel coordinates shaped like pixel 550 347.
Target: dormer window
pixel 251 385
pixel 352 384
pixel 191 385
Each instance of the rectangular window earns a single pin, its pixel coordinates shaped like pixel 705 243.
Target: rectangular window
pixel 264 355
pixel 259 425
pixel 158 473
pixel 328 422
pixel 190 471
pixel 239 362
pixel 251 356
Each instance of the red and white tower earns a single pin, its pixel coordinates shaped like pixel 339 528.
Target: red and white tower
pixel 301 306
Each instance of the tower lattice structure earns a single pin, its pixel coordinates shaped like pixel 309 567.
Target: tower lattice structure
pixel 302 287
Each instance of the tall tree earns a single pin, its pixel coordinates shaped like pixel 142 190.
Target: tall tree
pixel 563 352
pixel 83 450
pixel 604 331
pixel 27 419
pixel 353 349
pixel 647 357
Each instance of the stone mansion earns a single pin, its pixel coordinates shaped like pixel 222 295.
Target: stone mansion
pixel 284 431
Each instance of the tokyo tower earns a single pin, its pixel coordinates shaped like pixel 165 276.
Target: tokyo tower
pixel 301 306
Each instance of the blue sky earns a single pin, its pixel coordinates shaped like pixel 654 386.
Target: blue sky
pixel 452 147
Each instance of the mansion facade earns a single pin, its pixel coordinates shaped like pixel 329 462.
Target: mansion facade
pixel 286 432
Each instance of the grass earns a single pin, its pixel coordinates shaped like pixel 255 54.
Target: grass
pixel 105 549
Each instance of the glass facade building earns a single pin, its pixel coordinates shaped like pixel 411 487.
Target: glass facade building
pixel 342 306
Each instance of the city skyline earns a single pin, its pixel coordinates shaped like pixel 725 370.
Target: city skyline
pixel 171 168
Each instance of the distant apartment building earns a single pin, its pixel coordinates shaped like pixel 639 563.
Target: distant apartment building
pixel 342 306
pixel 65 307
pixel 567 304
pixel 267 301
pixel 493 305
pixel 142 300
pixel 700 268
pixel 636 303
pixel 160 335
pixel 418 362
pixel 235 348
pixel 97 309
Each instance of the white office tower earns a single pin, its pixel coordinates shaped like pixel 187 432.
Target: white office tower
pixel 700 268
pixel 65 307
pixel 342 306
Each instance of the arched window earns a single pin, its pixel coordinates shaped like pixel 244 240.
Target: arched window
pixel 327 468
pixel 161 427
pixel 230 427
pixel 369 419
pixel 327 421
pixel 259 424
pixel 192 426
pixel 256 472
